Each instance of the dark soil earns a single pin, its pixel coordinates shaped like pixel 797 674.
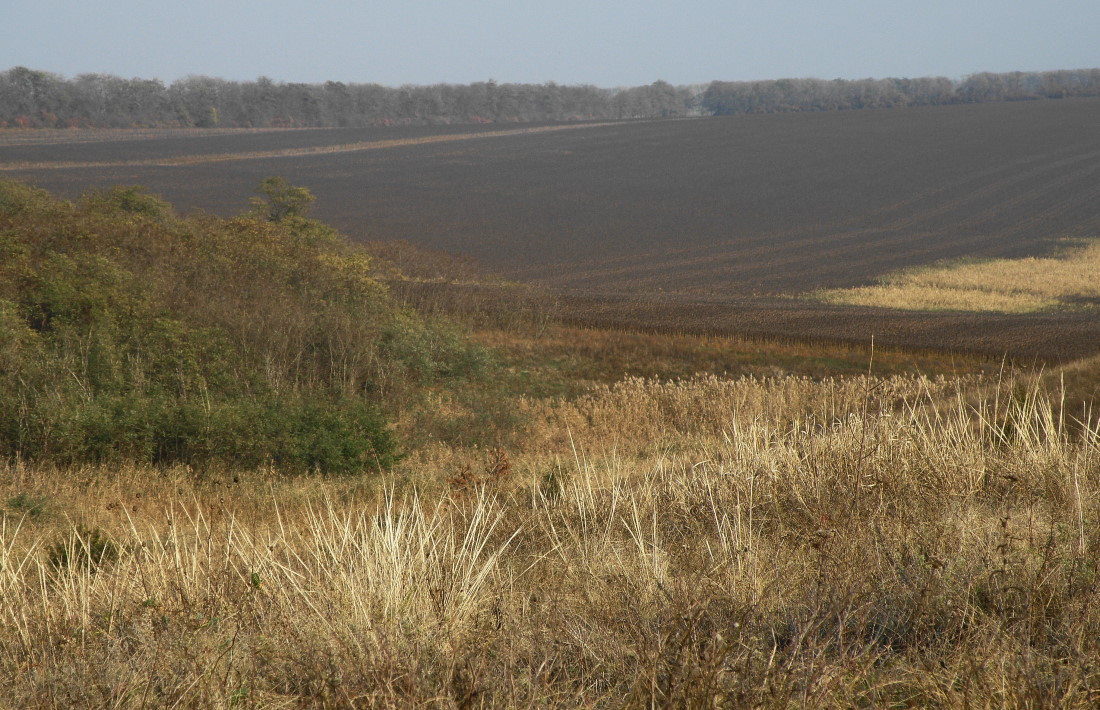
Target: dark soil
pixel 693 224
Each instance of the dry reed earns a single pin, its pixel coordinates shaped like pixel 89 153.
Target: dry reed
pixel 999 285
pixel 770 543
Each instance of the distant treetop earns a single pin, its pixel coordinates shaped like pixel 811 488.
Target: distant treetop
pixel 38 99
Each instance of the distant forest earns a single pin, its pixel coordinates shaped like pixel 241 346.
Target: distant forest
pixel 39 99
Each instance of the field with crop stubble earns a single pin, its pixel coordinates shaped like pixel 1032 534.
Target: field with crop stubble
pixel 705 225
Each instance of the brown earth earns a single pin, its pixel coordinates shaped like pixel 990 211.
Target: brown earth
pixel 1025 339
pixel 694 225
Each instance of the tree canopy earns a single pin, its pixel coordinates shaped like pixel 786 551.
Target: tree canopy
pixel 31 98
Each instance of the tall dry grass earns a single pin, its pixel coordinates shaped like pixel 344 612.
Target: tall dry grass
pixel 894 542
pixel 998 285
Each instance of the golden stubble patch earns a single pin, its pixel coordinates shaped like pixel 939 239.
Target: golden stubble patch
pixel 1067 280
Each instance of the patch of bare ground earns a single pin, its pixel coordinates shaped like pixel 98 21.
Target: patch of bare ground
pixel 709 208
pixel 573 358
pixel 687 225
pixel 791 333
pixel 1054 337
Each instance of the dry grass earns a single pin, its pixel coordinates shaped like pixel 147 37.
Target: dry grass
pixel 602 355
pixel 773 543
pixel 1002 285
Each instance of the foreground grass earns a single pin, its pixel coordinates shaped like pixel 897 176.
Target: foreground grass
pixel 878 542
pixel 1000 285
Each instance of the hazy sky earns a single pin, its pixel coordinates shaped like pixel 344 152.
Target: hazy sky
pixel 603 42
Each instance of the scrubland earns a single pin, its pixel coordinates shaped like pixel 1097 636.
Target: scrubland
pixel 880 542
pixel 282 471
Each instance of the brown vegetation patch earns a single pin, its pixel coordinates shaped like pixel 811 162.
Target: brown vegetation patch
pixel 1054 337
pixel 1068 280
pixel 765 543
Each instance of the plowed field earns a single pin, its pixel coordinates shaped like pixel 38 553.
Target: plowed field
pixel 695 224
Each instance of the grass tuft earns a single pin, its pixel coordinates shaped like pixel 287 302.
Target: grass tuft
pixel 897 541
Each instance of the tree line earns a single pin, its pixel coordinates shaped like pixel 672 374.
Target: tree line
pixel 38 99
pixel 783 95
pixel 30 98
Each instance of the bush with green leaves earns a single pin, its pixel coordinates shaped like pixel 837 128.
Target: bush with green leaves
pixel 129 333
pixel 82 548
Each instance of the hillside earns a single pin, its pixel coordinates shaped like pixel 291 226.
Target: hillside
pixel 725 219
pixel 711 207
pixel 531 514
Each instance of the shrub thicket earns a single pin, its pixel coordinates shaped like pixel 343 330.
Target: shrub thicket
pixel 129 333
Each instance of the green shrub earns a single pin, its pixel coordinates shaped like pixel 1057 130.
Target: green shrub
pixel 431 349
pixel 26 504
pixel 131 199
pixel 106 429
pixel 83 548
pixel 128 333
pixel 16 197
pixel 341 438
pixel 293 436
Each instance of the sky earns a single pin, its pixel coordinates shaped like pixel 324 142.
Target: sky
pixel 607 43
